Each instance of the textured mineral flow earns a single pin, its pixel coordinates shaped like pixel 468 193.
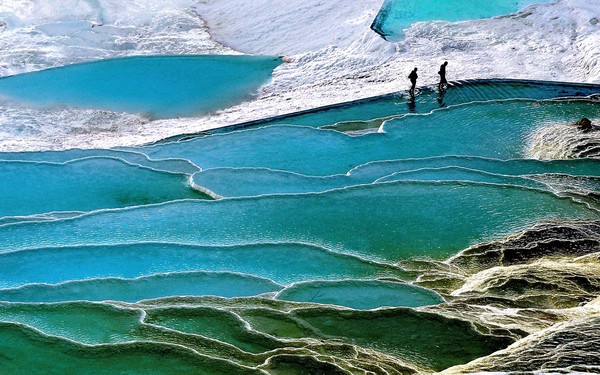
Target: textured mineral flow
pixel 540 286
pixel 247 332
pixel 552 239
pixel 398 332
pixel 559 283
pixel 564 141
pixel 569 347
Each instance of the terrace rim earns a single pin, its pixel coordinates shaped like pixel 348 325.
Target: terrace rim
pixel 572 89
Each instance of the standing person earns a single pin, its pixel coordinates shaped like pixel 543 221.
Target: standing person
pixel 442 74
pixel 413 80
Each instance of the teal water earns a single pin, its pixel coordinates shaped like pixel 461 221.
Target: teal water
pixel 213 323
pixel 153 286
pixel 56 356
pixel 158 86
pixel 397 15
pixel 30 188
pixel 362 295
pixel 244 182
pixel 301 258
pixel 496 129
pixel 391 221
pixel 88 322
pixel 282 263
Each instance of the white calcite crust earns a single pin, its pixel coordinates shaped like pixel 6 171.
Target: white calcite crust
pixel 331 54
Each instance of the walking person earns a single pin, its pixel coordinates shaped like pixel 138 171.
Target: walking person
pixel 443 82
pixel 413 80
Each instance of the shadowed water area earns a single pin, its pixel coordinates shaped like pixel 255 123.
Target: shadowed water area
pixel 357 238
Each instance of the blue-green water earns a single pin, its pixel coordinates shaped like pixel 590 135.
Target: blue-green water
pixel 282 246
pixel 158 86
pixel 152 286
pixel 360 294
pixel 397 15
pixel 391 221
pixel 84 185
pixel 282 263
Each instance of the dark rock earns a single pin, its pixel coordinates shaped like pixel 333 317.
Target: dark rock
pixel 584 124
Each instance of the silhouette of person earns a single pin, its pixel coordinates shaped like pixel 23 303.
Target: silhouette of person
pixel 442 74
pixel 413 80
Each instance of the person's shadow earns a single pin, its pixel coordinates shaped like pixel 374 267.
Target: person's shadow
pixel 441 95
pixel 412 105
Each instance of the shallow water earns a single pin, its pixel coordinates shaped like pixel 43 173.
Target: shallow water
pixel 155 86
pixel 282 263
pixel 496 129
pixel 362 295
pixel 31 188
pixel 310 241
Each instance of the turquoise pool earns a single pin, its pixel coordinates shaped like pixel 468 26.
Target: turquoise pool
pixel 157 86
pixel 397 15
